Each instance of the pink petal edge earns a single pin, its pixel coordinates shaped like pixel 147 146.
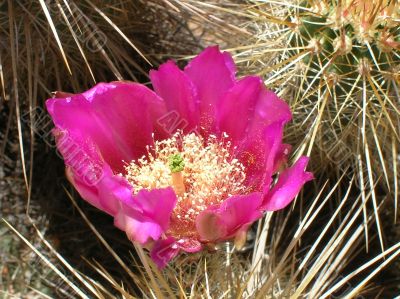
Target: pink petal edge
pixel 212 73
pixel 223 222
pixel 121 133
pixel 91 176
pixel 164 251
pixel 147 215
pixel 179 94
pixel 288 186
pixel 240 100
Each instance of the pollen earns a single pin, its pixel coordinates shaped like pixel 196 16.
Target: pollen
pixel 201 172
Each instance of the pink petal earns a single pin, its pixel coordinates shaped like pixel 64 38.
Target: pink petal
pixel 270 109
pixel 164 251
pixel 118 117
pixel 147 215
pixel 288 186
pixel 189 245
pixel 213 73
pixel 179 93
pixel 235 213
pixel 236 108
pixel 238 211
pixel 259 154
pixel 261 150
pixel 90 175
pixel 210 226
pixel 281 157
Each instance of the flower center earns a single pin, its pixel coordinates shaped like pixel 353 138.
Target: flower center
pixel 202 173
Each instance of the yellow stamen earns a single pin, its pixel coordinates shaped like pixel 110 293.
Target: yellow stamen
pixel 202 173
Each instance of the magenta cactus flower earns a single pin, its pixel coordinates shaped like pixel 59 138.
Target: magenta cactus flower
pixel 185 166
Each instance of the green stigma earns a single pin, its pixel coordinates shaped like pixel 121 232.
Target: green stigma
pixel 176 163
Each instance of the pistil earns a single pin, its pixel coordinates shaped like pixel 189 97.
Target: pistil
pixel 176 164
